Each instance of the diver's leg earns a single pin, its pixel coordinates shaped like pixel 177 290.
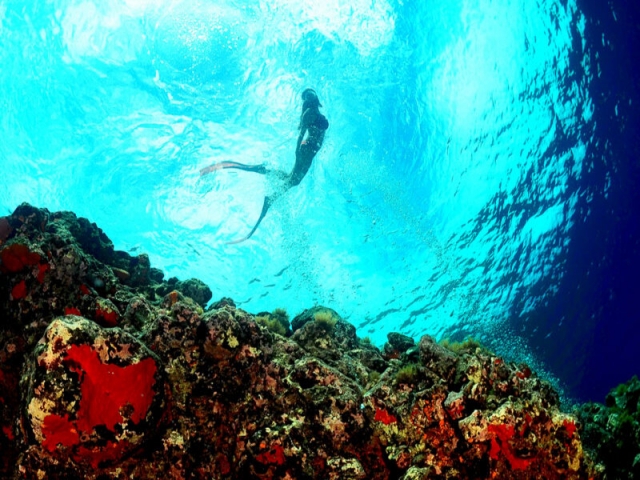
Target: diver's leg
pixel 261 169
pixel 304 157
pixel 265 207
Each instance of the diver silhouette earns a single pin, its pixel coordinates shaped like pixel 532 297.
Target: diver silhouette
pixel 312 124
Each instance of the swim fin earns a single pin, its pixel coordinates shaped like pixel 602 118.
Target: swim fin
pixel 265 207
pixel 228 164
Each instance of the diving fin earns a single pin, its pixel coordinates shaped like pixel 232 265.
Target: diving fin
pixel 229 164
pixel 265 207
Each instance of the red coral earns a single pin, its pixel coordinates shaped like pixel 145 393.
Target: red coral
pixel 223 464
pixel 42 269
pixel 57 429
pixel 8 432
pixel 72 311
pixel 385 417
pixel 274 455
pixel 108 316
pixel 570 427
pixel 105 390
pixel 19 291
pixel 17 256
pixel 500 443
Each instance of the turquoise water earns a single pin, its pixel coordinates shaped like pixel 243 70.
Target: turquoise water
pixel 446 188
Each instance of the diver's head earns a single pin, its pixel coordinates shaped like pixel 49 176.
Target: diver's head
pixel 310 98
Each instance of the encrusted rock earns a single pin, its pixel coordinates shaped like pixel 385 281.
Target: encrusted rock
pixel 308 315
pixel 437 358
pixel 196 289
pixel 93 395
pixel 141 267
pixel 397 344
pixel 149 385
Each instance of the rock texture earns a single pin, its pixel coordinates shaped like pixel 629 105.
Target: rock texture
pixel 612 431
pixel 109 371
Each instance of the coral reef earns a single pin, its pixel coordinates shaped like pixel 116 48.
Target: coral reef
pixel 109 371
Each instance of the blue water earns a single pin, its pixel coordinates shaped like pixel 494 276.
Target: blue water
pixel 468 184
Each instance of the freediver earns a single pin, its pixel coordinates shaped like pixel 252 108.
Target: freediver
pixel 313 124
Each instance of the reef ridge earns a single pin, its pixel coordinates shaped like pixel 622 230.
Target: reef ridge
pixel 107 370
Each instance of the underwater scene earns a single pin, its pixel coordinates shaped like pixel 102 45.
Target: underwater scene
pixel 381 239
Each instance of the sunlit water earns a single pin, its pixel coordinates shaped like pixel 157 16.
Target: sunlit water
pixel 442 201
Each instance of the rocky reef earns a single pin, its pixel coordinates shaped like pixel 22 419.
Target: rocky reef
pixel 107 370
pixel 612 431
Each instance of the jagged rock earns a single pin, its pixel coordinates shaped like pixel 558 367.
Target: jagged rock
pixel 140 268
pixel 371 358
pixel 437 358
pixel 93 395
pixel 397 344
pixel 186 393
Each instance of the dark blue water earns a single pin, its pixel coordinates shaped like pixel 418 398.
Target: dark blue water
pixel 595 313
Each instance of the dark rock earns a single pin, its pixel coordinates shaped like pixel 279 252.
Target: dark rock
pixel 371 358
pixel 156 275
pixel 400 342
pixel 140 268
pixel 397 344
pixel 91 239
pixel 29 218
pixel 223 302
pixel 437 358
pixel 5 229
pixel 309 314
pixel 139 313
pixel 196 289
pixel 611 432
